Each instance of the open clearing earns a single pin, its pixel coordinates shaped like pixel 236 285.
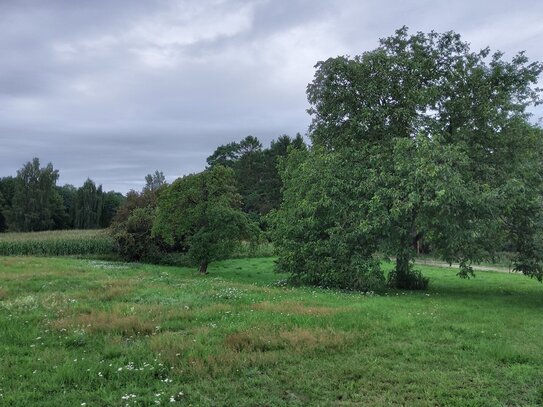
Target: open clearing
pixel 83 332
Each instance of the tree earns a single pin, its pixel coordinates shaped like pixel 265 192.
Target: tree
pixel 440 138
pixel 133 236
pixel 35 201
pixel 154 181
pixel 132 225
pixel 3 225
pixel 112 201
pixel 256 170
pixel 271 183
pixel 88 206
pixel 203 211
pixel 320 232
pixel 68 194
pixel 7 190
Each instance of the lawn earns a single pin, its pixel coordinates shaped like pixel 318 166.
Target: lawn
pixel 93 333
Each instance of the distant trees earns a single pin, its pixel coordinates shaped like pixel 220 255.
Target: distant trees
pixel 68 194
pixel 7 190
pixel 88 206
pixel 154 181
pixel 36 202
pixel 33 202
pixel 255 170
pixel 420 137
pixel 111 202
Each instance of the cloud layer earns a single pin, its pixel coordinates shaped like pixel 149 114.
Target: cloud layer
pixel 113 90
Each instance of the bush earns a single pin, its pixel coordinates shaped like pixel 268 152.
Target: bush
pixel 413 280
pixel 132 237
pixel 360 274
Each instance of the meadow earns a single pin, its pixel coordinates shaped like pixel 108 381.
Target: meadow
pixel 82 332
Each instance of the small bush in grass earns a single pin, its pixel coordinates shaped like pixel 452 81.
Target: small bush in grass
pixel 414 280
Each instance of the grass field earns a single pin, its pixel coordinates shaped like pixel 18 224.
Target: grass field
pixel 56 243
pixel 93 333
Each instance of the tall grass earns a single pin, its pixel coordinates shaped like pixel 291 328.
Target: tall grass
pixel 56 243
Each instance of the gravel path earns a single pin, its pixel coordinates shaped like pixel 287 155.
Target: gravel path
pixel 438 263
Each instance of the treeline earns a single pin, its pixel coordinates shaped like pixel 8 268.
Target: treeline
pixel 205 215
pixel 32 201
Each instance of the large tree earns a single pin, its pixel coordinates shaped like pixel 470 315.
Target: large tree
pixel 203 212
pixel 440 138
pixel 36 202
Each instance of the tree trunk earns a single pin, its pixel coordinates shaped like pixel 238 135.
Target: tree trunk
pixel 203 267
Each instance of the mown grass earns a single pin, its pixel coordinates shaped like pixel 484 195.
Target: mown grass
pixel 83 332
pixel 56 243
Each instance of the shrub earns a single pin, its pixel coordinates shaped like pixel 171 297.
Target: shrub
pixel 132 237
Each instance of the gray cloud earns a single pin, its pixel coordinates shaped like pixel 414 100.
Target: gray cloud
pixel 113 90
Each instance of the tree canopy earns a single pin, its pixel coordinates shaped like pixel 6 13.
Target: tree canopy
pixel 203 211
pixel 256 170
pixel 88 206
pixel 427 140
pixel 154 181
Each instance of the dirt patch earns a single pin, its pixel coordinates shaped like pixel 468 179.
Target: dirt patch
pixel 297 340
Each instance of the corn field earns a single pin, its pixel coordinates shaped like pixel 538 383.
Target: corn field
pixel 56 243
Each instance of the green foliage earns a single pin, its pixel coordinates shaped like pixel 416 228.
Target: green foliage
pixel 112 201
pixel 7 190
pixel 322 231
pixel 133 240
pixel 88 206
pixel 132 225
pixel 439 147
pixel 256 170
pixel 56 243
pixel 202 212
pixel 154 181
pixel 32 201
pixel 68 193
pixel 36 203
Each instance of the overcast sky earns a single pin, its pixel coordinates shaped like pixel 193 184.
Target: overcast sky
pixel 114 89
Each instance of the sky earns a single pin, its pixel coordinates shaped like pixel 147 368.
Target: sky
pixel 113 90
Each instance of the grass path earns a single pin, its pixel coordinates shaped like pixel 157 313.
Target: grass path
pixel 80 332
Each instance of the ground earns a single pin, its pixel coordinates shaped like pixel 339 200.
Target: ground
pixel 85 332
